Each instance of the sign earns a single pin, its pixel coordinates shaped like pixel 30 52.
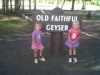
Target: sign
pixel 56 22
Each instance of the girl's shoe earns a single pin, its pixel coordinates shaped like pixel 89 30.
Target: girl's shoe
pixel 70 60
pixel 42 59
pixel 75 60
pixel 36 61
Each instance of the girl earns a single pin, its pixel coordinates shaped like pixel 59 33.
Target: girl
pixel 36 42
pixel 73 41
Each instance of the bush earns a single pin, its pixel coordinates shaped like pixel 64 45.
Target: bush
pixel 88 16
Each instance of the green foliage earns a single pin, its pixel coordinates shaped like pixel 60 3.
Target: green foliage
pixel 7 27
pixel 88 16
pixel 12 26
pixel 97 2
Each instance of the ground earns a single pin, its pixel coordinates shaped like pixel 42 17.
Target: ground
pixel 16 56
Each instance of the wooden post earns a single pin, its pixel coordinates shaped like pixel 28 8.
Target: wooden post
pixel 56 38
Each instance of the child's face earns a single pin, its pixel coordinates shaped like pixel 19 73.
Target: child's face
pixel 38 27
pixel 76 26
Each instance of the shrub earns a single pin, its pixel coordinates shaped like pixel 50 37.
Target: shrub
pixel 88 16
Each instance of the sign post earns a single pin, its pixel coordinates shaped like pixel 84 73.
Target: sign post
pixel 56 38
pixel 56 23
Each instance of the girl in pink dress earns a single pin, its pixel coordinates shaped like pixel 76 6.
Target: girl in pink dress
pixel 73 41
pixel 37 42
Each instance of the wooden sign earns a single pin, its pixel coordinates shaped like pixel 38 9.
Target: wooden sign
pixel 56 22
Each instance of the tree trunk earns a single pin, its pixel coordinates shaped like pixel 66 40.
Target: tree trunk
pixel 11 5
pixel 73 2
pixel 17 6
pixel 7 4
pixel 84 5
pixel 29 5
pixel 34 4
pixel 23 5
pixel 63 4
pixel 3 7
pixel 57 3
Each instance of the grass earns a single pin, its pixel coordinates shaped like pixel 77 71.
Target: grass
pixel 12 24
pixel 11 17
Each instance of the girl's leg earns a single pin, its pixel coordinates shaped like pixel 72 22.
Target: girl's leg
pixel 41 56
pixel 41 53
pixel 35 54
pixel 74 52
pixel 70 52
pixel 70 55
pixel 74 55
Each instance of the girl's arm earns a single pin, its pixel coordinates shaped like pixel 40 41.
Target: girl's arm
pixel 69 37
pixel 77 38
pixel 33 39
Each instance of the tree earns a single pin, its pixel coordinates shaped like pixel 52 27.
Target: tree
pixel 17 6
pixel 73 2
pixel 63 4
pixel 11 5
pixel 7 4
pixel 23 5
pixel 34 4
pixel 29 5
pixel 57 1
pixel 84 5
pixel 3 7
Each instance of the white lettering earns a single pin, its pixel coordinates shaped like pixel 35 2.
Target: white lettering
pixel 52 17
pixel 48 27
pixel 66 27
pixel 42 17
pixel 38 17
pixel 46 17
pixel 74 18
pixel 52 27
pixel 57 27
pixel 63 18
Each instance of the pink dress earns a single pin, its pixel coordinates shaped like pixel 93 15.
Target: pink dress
pixel 38 39
pixel 73 37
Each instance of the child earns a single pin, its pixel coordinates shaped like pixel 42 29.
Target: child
pixel 73 41
pixel 37 42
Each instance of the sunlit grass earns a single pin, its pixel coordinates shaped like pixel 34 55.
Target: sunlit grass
pixel 97 68
pixel 4 17
pixel 10 24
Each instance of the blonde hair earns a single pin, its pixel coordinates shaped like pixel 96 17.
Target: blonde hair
pixel 39 23
pixel 76 22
